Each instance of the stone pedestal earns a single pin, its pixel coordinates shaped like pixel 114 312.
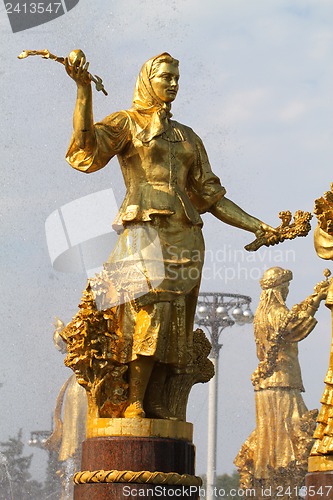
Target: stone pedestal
pixel 145 452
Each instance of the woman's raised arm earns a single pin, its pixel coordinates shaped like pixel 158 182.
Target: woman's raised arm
pixel 83 121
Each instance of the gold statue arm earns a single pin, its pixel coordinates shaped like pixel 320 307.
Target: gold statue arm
pixel 83 120
pixel 230 213
pixel 321 290
pixel 299 321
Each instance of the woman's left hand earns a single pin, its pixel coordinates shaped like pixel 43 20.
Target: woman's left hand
pixel 265 236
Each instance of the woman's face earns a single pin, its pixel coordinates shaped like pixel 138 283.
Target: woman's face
pixel 165 82
pixel 284 290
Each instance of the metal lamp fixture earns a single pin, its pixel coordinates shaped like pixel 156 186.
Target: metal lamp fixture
pixel 221 308
pixel 39 438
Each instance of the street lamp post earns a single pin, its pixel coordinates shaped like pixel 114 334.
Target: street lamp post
pixel 212 313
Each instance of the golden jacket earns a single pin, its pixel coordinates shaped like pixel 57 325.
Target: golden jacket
pixel 171 168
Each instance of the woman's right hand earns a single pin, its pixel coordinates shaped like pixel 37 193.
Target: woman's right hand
pixel 78 71
pixel 321 289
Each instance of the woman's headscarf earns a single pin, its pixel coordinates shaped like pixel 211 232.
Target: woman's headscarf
pixel 154 111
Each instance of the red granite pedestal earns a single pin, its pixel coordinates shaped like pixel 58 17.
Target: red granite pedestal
pixel 127 453
pixel 319 485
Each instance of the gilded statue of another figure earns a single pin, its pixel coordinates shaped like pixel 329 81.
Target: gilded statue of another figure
pixel 321 456
pixel 273 460
pixel 69 424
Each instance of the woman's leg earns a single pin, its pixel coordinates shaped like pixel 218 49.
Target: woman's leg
pixel 154 403
pixel 139 374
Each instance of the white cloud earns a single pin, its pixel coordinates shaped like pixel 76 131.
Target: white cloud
pixel 321 45
pixel 292 111
pixel 245 105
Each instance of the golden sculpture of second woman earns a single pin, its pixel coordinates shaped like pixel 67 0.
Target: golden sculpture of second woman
pixel 275 454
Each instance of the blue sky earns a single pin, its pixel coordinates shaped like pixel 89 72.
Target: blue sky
pixel 256 85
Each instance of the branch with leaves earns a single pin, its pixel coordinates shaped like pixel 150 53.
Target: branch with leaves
pixel 76 57
pixel 287 230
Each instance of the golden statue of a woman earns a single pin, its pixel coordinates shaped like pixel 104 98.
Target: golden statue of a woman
pixel 273 460
pixel 146 297
pixel 169 183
